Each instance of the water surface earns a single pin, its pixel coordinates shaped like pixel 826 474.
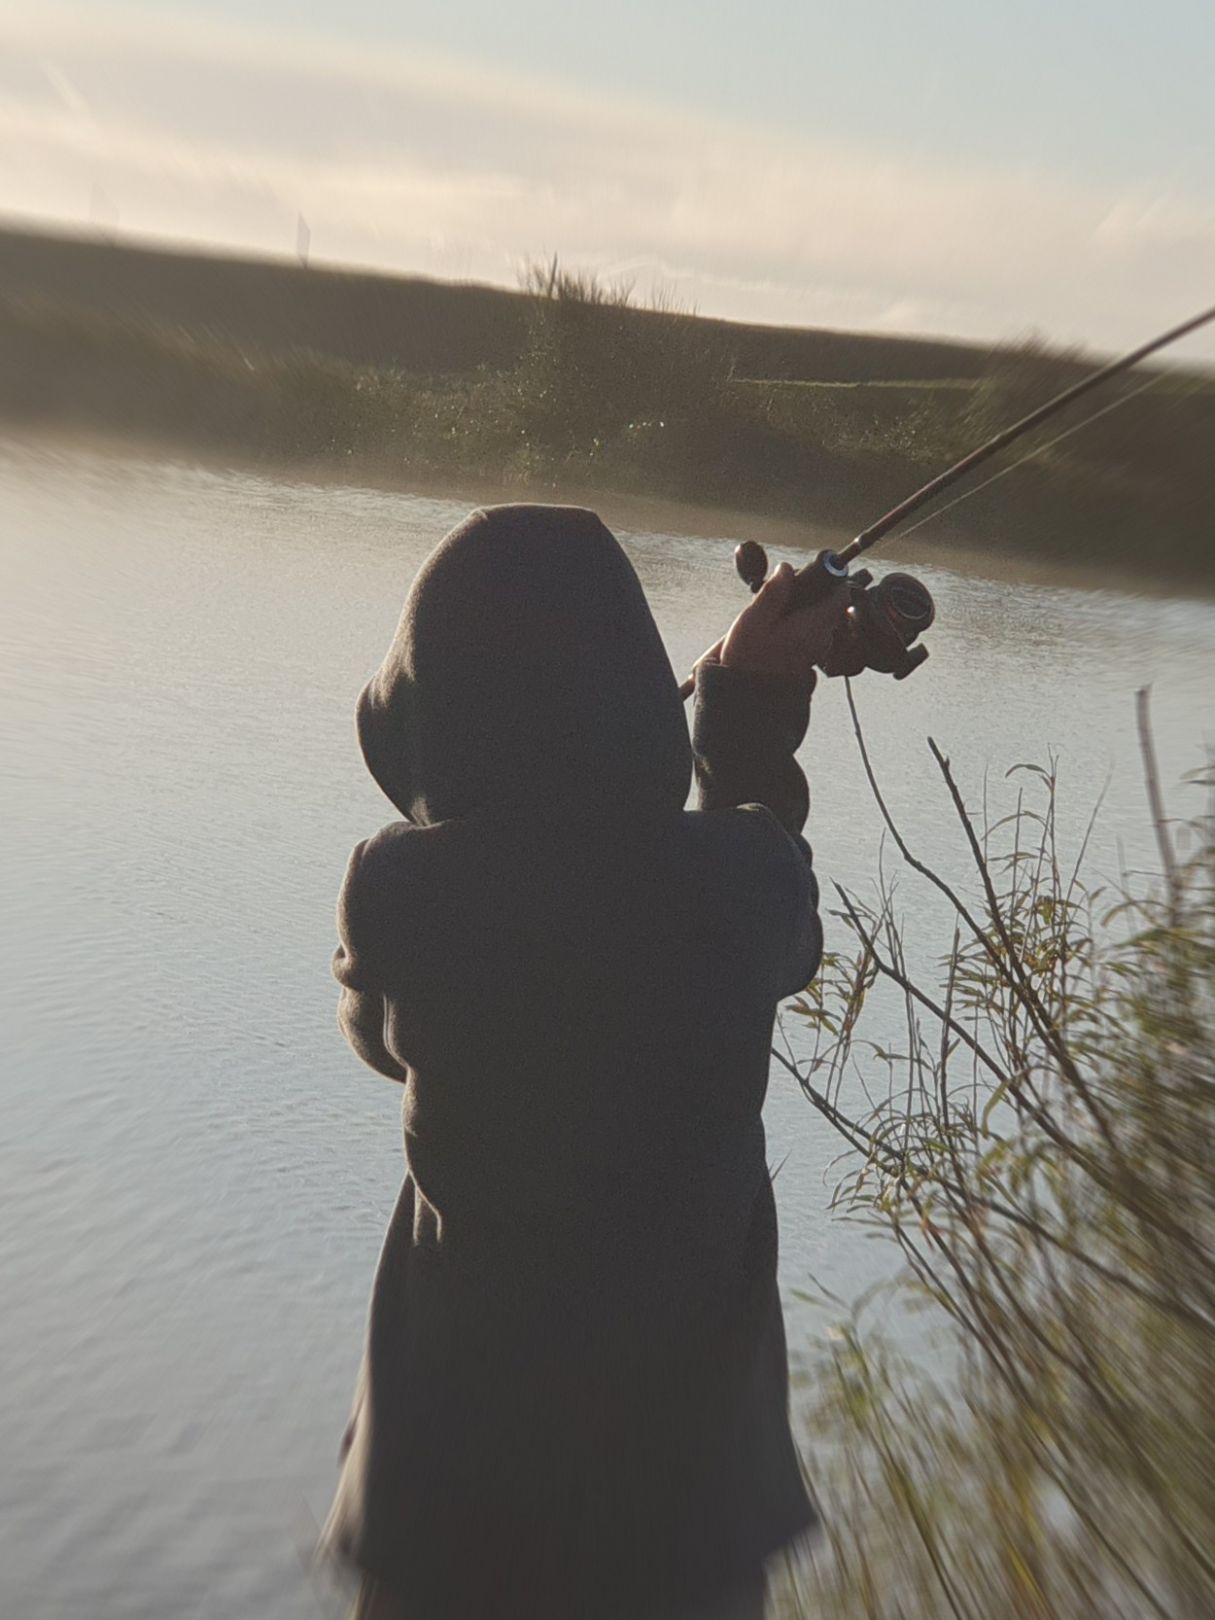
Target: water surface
pixel 195 1174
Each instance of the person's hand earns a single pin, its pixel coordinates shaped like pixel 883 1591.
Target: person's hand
pixel 767 639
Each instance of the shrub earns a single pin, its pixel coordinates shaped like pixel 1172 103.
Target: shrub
pixel 1043 1161
pixel 596 366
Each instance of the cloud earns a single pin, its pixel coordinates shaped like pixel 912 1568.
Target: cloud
pixel 218 132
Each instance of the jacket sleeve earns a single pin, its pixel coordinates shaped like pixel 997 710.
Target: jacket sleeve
pixel 361 1006
pixel 746 731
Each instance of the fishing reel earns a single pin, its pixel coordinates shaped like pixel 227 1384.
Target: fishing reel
pixel 882 621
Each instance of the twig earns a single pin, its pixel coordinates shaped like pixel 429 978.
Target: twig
pixel 1042 1021
pixel 1151 774
pixel 1013 975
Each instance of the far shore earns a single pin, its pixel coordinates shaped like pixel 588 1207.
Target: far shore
pixel 630 511
pixel 566 392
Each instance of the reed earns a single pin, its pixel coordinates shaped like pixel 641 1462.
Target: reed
pixel 1041 1161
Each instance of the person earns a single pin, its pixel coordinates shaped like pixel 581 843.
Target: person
pixel 573 1399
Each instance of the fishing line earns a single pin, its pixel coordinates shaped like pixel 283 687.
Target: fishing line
pixel 887 617
pixel 1037 450
pixel 998 441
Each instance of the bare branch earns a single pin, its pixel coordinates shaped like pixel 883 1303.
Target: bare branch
pixel 1151 776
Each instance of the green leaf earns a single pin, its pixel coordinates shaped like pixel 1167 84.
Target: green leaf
pixel 996 1097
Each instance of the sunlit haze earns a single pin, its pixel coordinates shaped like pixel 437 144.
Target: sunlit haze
pixel 978 171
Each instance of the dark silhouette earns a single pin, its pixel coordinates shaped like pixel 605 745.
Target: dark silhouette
pixel 573 1400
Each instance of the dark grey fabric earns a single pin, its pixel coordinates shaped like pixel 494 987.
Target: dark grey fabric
pixel 375 1601
pixel 573 1399
pixel 526 669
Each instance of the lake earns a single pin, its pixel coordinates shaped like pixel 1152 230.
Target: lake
pixel 195 1174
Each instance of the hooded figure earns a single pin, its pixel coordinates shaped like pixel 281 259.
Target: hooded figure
pixel 573 1401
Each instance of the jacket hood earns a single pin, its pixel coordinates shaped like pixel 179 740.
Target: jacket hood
pixel 527 670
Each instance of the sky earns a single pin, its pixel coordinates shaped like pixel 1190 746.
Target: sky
pixel 983 170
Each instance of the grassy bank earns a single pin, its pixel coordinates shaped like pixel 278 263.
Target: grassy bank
pixel 406 323
pixel 595 394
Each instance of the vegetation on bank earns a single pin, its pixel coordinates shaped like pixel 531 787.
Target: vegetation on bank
pixel 604 395
pixel 1042 1160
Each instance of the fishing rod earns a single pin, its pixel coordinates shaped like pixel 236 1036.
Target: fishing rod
pixel 886 618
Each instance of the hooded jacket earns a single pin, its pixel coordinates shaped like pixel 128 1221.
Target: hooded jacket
pixel 573 1398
